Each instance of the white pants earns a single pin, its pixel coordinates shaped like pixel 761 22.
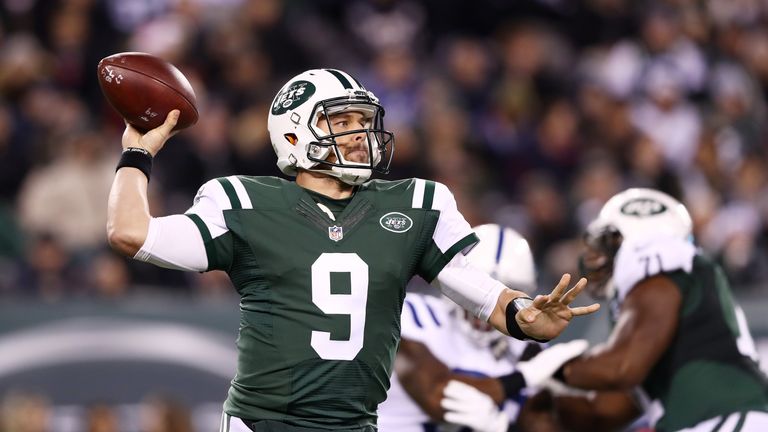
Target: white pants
pixel 750 421
pixel 232 424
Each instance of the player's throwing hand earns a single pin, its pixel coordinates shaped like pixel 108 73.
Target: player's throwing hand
pixel 155 139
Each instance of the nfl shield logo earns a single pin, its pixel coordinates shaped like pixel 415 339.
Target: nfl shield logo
pixel 335 233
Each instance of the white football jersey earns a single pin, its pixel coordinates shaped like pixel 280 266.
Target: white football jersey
pixel 427 319
pixel 641 258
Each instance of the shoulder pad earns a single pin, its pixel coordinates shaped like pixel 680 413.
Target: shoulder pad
pixel 640 259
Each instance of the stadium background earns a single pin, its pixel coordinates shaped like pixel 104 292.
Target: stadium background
pixel 533 112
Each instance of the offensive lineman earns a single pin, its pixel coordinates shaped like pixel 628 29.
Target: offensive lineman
pixel 320 263
pixel 680 342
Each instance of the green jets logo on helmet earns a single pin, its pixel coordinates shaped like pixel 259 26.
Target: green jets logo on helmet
pixel 293 96
pixel 643 207
pixel 396 222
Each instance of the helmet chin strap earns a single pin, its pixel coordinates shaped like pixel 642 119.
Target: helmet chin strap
pixel 350 175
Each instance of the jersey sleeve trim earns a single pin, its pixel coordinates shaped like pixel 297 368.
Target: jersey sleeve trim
pixel 234 200
pixel 459 246
pixel 429 194
pixel 174 242
pixel 242 194
pixel 423 194
pixel 205 234
pixel 418 193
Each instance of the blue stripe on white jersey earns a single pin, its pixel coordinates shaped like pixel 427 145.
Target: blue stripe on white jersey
pixel 501 244
pixel 415 315
pixel 432 314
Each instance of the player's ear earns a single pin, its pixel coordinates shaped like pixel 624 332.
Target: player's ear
pixel 291 138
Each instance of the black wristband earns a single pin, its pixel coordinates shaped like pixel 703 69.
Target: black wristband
pixel 512 384
pixel 513 328
pixel 135 157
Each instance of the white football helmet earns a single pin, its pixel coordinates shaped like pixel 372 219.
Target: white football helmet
pixel 504 255
pixel 313 96
pixel 633 213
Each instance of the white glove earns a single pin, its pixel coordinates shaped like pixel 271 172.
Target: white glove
pixel 468 406
pixel 560 389
pixel 547 362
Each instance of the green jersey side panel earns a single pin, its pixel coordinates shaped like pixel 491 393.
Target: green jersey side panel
pixel 321 299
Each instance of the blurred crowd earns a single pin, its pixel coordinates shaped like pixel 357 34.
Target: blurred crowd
pixel 28 412
pixel 533 112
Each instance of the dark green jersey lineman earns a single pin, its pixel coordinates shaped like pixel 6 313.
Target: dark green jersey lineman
pixel 709 372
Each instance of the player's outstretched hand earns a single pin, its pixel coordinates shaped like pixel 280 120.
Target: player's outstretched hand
pixel 155 139
pixel 550 314
pixel 467 406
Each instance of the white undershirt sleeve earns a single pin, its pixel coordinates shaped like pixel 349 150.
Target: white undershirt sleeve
pixel 174 242
pixel 469 287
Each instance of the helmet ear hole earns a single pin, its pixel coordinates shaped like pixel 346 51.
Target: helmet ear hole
pixel 291 138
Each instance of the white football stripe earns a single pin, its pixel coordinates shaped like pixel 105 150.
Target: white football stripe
pixel 418 193
pixel 242 195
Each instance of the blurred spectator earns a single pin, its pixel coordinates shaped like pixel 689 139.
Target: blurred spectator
pixel 66 198
pixel 47 273
pixel 664 115
pixel 387 24
pixel 101 418
pixel 163 414
pixel 22 412
pixel 108 275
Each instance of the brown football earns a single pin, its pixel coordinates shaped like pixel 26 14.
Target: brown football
pixel 144 89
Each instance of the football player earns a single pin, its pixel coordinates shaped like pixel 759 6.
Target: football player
pixel 320 263
pixel 680 343
pixel 443 342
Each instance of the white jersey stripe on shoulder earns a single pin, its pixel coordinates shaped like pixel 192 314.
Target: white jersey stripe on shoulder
pixel 418 193
pixel 209 204
pixel 216 192
pixel 242 194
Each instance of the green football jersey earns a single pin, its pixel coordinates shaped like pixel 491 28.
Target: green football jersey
pixel 321 295
pixel 710 368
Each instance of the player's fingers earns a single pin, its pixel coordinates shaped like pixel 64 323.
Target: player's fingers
pixel 573 292
pixel 540 300
pixel 560 288
pixel 455 417
pixel 585 310
pixel 170 122
pixel 451 404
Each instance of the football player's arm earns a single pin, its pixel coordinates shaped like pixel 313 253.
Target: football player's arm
pixel 647 323
pixel 490 300
pixel 424 377
pixel 446 267
pixel 601 412
pixel 128 214
pixel 196 241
